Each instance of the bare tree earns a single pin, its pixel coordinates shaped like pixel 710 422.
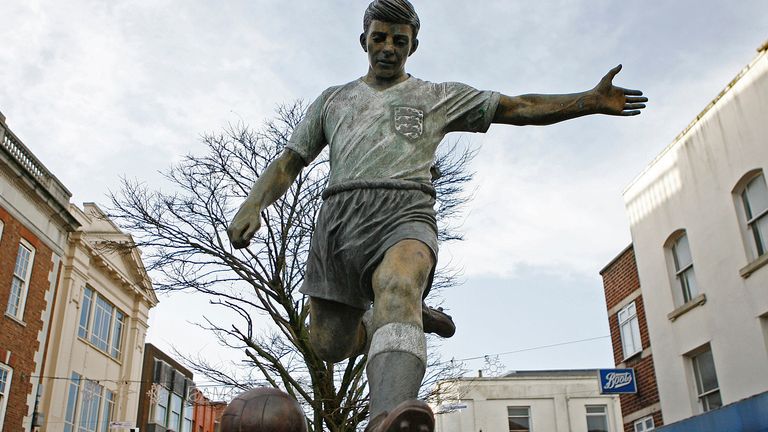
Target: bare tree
pixel 186 248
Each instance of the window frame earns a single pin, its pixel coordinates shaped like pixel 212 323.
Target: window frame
pixel 643 424
pixel 703 395
pixel 528 418
pixel 5 392
pixel 603 415
pixel 175 417
pixel 756 244
pixel 100 412
pixel 189 415
pixel 682 276
pixel 107 410
pixel 752 220
pixel 2 226
pixel 21 302
pixel 88 313
pixel 90 408
pixel 166 402
pixel 682 272
pixel 633 322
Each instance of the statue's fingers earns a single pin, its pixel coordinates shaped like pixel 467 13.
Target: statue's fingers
pixel 612 73
pixel 630 92
pixel 634 106
pixel 633 99
pixel 250 231
pixel 630 113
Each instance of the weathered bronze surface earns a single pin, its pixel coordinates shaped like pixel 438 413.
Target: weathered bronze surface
pixel 263 409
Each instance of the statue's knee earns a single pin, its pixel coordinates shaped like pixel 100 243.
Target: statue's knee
pixel 396 288
pixel 328 347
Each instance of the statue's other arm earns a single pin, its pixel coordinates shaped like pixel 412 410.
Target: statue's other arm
pixel 604 98
pixel 268 188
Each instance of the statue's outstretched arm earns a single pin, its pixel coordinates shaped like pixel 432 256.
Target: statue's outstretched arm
pixel 537 109
pixel 268 188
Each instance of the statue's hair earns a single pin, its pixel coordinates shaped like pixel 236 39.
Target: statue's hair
pixel 392 11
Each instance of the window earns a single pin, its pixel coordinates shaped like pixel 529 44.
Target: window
pixel 175 418
pixel 22 271
pixel 85 313
pixel 89 409
pixel 5 390
pixel 1 229
pixel 117 334
pixel 754 197
pixel 629 327
pixel 597 418
pixel 72 400
pixel 108 411
pixel 102 317
pixel 90 406
pixel 681 253
pixel 101 323
pixel 173 406
pixel 519 419
pixel 644 424
pixel 188 413
pixel 161 407
pixel 706 380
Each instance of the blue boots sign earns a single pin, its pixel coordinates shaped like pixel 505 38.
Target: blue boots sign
pixel 617 381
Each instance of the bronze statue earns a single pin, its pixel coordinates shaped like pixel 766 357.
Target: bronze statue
pixel 376 238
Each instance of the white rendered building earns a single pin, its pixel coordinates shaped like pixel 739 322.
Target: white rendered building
pixel 524 401
pixel 699 224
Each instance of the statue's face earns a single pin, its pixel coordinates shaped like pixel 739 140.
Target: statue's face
pixel 388 46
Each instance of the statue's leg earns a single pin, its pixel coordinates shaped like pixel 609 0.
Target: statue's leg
pixel 397 355
pixel 335 329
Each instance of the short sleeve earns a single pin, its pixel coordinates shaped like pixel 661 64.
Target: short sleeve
pixel 308 138
pixel 468 109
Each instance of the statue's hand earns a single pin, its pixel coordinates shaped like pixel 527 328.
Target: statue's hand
pixel 246 222
pixel 614 100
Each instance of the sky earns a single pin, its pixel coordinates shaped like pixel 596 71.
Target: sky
pixel 99 90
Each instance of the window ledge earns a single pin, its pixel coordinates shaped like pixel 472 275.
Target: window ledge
pixel 93 345
pixel 16 320
pixel 753 266
pixel 693 303
pixel 632 356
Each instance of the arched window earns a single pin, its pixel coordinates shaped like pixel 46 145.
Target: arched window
pixel 683 275
pixel 752 199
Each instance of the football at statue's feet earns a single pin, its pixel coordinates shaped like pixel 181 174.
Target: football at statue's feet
pixel 263 409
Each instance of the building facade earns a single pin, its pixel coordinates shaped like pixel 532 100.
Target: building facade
pixel 167 394
pixel 631 342
pixel 34 225
pixel 94 360
pixel 206 413
pixel 699 224
pixel 524 401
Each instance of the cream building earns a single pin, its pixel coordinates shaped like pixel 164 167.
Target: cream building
pixel 699 223
pixel 94 359
pixel 525 401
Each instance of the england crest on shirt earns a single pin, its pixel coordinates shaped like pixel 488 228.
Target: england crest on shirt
pixel 408 121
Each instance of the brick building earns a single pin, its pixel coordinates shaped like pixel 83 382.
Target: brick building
pixel 206 413
pixel 166 394
pixel 34 224
pixel 631 342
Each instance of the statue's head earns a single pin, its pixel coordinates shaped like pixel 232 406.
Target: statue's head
pixel 389 35
pixel 393 12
